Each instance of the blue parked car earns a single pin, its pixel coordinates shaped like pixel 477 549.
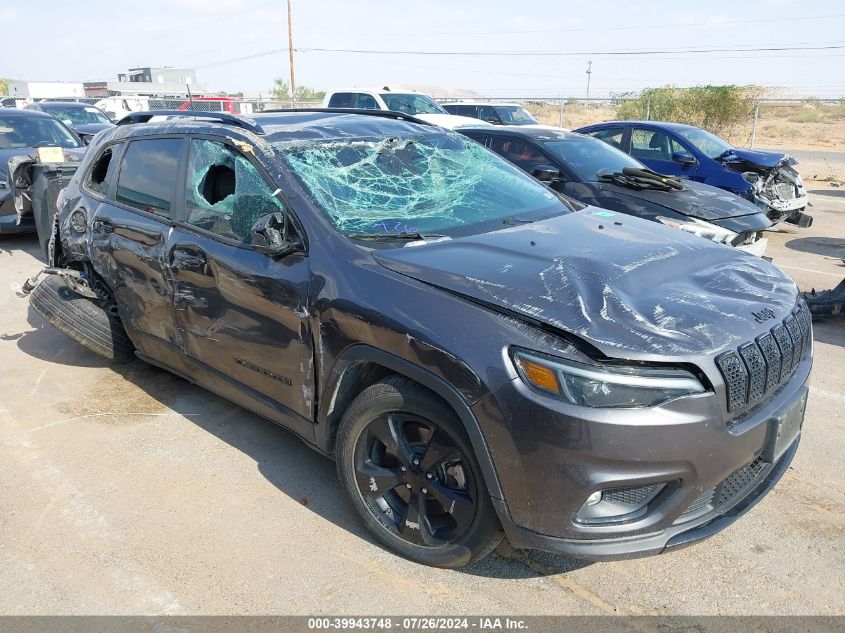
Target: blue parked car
pixel 767 179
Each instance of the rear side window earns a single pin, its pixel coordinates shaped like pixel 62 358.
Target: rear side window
pixel 463 110
pixel 148 175
pixel 612 137
pixel 101 171
pixel 342 100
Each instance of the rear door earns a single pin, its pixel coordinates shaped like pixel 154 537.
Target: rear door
pixel 130 221
pixel 241 313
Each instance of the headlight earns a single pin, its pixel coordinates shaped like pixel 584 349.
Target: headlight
pixel 604 385
pixel 751 177
pixel 700 228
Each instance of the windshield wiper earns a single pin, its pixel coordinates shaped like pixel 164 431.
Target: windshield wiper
pixel 389 237
pixel 641 179
pixel 517 221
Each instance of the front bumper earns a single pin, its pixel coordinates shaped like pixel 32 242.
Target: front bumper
pixel 785 207
pixel 757 248
pixel 548 463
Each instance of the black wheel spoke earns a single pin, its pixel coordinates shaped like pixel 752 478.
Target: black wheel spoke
pixel 417 514
pixel 440 448
pixel 396 442
pixel 458 503
pixel 412 525
pixel 376 480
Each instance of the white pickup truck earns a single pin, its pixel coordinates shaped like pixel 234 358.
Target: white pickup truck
pixel 405 101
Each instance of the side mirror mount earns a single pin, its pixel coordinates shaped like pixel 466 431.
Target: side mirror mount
pixel 546 173
pixel 273 235
pixel 684 158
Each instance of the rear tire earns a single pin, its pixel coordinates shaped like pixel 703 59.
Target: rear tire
pixel 409 471
pixel 82 320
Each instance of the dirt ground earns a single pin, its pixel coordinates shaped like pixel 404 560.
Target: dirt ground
pixel 129 491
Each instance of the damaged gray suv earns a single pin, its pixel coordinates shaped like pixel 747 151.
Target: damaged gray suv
pixel 480 355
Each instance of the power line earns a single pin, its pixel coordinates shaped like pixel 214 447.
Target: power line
pixel 628 52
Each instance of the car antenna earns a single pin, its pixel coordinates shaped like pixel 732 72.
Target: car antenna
pixel 190 97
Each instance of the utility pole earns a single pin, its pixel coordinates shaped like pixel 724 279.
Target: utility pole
pixel 290 50
pixel 589 72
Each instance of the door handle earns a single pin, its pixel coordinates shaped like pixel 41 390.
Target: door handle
pixel 186 259
pixel 102 226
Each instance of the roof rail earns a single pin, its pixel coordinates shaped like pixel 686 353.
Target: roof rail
pixel 387 114
pixel 222 117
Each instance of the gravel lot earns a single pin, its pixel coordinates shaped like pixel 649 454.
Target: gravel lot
pixel 130 491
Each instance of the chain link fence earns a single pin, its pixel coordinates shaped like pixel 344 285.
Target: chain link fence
pixel 813 131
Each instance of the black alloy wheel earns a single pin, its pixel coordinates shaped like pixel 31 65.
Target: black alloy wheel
pixel 410 473
pixel 414 478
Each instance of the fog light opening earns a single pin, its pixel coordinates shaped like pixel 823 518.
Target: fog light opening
pixel 617 505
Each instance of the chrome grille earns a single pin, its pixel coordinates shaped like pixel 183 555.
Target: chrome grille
pixel 758 367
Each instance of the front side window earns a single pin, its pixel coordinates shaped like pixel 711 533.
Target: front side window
pixel 366 102
pixel 148 175
pixel 706 143
pixel 435 183
pixel 523 155
pixel 226 193
pixel 18 131
pixel 514 115
pixel 411 104
pixel 588 158
pixel 488 113
pixel 650 144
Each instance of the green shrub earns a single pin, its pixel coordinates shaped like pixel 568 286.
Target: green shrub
pixel 719 109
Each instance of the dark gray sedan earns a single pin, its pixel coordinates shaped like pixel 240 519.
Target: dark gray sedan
pixel 595 173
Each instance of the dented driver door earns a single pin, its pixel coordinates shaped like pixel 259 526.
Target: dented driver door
pixel 240 313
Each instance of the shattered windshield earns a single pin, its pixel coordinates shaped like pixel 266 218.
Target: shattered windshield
pixel 586 157
pixel 31 131
pixel 514 115
pixel 707 143
pixel 438 183
pixel 77 116
pixel 411 104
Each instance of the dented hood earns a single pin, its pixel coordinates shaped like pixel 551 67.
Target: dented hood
pixel 629 287
pixel 758 158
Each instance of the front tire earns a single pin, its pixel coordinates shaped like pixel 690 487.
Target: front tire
pixel 81 319
pixel 409 471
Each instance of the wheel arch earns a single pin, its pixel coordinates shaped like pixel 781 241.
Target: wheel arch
pixel 360 366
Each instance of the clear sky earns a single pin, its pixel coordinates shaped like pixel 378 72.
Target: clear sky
pixel 96 39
